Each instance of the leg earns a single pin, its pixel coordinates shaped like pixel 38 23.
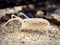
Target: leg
pixel 47 36
pixel 47 32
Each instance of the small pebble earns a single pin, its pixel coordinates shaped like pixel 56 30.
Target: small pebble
pixel 40 14
pixel 55 19
pixel 4 18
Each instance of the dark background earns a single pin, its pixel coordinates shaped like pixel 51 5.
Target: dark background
pixel 11 3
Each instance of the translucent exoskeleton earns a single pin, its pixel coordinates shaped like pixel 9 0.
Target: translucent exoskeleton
pixel 39 24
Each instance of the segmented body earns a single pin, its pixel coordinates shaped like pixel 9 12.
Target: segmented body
pixel 39 24
pixel 35 24
pixel 32 23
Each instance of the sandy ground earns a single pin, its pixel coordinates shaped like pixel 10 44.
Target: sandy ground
pixel 17 37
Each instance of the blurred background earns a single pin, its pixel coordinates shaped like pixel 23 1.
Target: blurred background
pixel 11 3
pixel 31 8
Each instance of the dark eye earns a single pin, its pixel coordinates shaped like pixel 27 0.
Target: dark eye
pixel 24 21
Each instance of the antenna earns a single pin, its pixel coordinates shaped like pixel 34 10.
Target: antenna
pixel 21 13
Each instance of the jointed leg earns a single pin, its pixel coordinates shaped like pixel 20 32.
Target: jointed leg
pixel 47 32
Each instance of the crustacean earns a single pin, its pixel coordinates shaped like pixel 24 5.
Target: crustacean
pixel 39 24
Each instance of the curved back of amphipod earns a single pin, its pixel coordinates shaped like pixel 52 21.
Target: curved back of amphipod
pixel 35 24
pixel 31 23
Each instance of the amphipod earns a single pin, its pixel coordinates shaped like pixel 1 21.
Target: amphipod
pixel 35 24
pixel 39 24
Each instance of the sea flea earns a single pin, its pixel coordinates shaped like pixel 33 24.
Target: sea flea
pixel 39 24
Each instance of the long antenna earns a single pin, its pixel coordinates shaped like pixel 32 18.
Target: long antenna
pixel 21 13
